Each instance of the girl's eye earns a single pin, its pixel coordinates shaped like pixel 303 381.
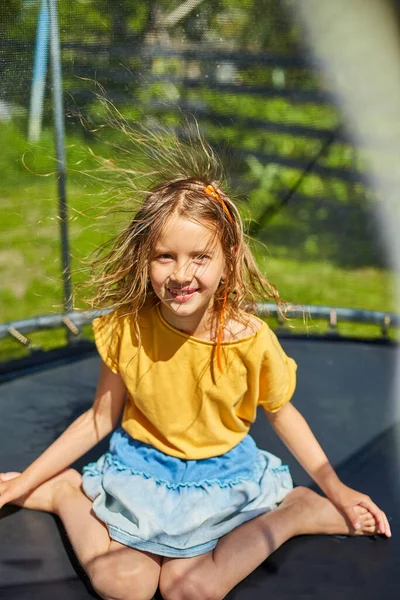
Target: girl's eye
pixel 201 258
pixel 164 257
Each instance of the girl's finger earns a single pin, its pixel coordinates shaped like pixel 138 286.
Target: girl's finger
pixel 376 512
pixel 362 510
pixel 354 519
pixel 387 530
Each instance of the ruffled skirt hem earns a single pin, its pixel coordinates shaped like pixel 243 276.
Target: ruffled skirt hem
pixel 181 516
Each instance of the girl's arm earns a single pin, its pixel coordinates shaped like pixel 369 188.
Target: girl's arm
pixel 295 433
pixel 84 433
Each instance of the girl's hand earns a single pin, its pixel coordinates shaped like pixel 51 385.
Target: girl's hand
pixel 346 499
pixel 11 487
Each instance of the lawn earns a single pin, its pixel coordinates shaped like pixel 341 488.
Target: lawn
pixel 30 250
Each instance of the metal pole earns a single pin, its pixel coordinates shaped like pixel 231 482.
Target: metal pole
pixel 39 73
pixel 55 55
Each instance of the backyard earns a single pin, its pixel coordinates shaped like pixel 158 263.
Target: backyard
pixel 30 248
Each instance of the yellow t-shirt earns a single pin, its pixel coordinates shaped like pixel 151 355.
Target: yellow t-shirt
pixel 177 401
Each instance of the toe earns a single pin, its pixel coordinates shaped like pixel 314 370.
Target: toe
pixel 8 476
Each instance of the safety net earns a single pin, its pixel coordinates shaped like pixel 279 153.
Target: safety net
pixel 246 74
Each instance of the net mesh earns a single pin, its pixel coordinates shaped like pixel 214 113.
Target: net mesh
pixel 243 70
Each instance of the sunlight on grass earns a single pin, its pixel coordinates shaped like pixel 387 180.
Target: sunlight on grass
pixel 30 270
pixel 325 284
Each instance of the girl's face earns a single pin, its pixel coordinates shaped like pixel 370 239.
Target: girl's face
pixel 185 270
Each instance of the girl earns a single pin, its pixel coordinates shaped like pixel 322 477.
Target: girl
pixel 184 500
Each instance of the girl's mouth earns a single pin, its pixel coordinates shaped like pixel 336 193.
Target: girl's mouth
pixel 182 295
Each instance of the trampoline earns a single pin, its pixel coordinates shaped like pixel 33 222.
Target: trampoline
pixel 345 385
pixel 344 391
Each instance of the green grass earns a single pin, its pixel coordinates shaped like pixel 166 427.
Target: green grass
pixel 31 278
pixel 30 271
pixel 319 282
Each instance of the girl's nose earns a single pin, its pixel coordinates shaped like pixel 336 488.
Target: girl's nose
pixel 182 274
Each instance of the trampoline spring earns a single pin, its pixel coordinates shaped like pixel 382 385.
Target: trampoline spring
pixel 71 326
pixel 21 338
pixel 333 319
pixel 385 325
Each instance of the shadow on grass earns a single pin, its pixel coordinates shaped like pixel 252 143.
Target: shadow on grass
pixel 346 235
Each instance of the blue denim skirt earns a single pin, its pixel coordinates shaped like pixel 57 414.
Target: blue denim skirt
pixel 180 508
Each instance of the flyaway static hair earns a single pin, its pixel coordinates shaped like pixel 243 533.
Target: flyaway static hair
pixel 184 179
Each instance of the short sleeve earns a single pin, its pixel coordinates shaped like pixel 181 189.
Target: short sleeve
pixel 277 376
pixel 107 335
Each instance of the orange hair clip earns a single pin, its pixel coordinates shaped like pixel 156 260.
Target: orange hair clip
pixel 211 191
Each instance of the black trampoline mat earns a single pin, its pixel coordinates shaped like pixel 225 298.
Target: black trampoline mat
pixel 345 391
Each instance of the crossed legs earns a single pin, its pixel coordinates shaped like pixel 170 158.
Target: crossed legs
pixel 121 573
pixel 116 572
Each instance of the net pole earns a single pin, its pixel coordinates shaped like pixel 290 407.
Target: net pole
pixel 58 108
pixel 39 73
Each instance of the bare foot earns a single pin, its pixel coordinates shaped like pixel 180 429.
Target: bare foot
pixel 318 515
pixel 8 476
pixel 44 496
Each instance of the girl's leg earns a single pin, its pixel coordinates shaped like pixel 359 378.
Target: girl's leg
pixel 211 576
pixel 115 571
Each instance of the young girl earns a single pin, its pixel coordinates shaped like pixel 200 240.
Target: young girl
pixel 184 500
